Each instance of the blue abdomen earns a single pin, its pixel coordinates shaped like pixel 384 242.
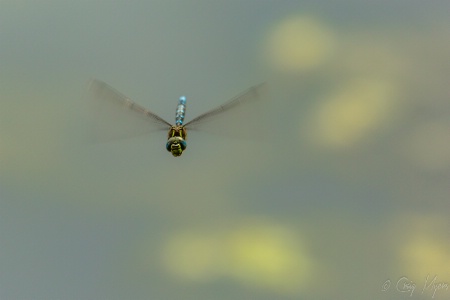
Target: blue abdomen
pixel 181 110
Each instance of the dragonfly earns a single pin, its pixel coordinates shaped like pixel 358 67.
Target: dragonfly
pixel 177 133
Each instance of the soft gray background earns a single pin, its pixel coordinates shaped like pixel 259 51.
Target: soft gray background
pixel 349 188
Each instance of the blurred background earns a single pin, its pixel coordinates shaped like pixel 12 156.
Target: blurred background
pixel 346 197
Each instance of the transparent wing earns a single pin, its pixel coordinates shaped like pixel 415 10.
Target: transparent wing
pixel 115 116
pixel 239 117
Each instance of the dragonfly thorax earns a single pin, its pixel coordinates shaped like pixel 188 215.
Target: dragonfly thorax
pixel 176 143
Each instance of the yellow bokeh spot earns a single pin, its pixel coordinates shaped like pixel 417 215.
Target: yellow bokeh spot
pixel 258 254
pixel 352 112
pixel 427 251
pixel 269 256
pixel 299 43
pixel 427 255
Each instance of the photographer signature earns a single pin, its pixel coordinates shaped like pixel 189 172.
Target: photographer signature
pixel 406 285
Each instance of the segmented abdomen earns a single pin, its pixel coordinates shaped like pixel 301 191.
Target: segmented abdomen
pixel 181 110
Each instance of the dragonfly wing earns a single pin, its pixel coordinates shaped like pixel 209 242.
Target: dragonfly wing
pixel 238 117
pixel 115 116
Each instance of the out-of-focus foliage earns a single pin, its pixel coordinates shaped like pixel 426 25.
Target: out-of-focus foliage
pixel 348 190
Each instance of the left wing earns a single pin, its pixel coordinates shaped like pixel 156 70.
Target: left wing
pixel 252 94
pixel 235 115
pixel 116 116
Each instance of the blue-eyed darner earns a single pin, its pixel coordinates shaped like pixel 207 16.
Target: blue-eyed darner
pixel 177 134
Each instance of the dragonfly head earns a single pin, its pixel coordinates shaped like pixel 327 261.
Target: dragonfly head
pixel 176 145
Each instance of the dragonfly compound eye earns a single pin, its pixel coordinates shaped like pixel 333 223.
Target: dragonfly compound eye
pixel 176 145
